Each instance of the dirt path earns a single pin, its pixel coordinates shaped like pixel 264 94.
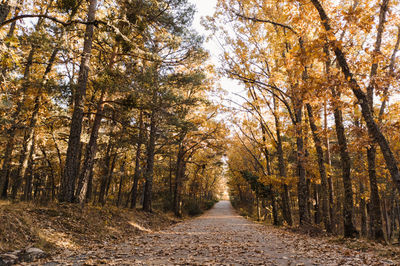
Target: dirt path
pixel 222 237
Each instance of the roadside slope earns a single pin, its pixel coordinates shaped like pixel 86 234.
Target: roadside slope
pixel 60 227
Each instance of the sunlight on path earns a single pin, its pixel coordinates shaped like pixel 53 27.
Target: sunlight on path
pixel 222 237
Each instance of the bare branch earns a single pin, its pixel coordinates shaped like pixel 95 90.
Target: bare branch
pixel 64 23
pixel 254 19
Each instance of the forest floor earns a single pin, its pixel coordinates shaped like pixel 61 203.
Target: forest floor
pixel 63 228
pixel 222 237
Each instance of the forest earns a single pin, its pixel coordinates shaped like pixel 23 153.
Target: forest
pixel 317 138
pixel 118 103
pixel 107 103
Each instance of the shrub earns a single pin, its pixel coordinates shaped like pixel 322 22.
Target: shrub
pixel 193 208
pixel 208 204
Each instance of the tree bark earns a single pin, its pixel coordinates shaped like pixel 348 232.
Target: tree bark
pixel 150 160
pixel 321 167
pixel 363 210
pixel 349 229
pixel 317 204
pixel 28 175
pixel 275 218
pixel 109 176
pixel 121 179
pixel 179 173
pixel 386 218
pixel 136 175
pixel 71 169
pixel 376 212
pixel 51 183
pixel 287 214
pixel 267 156
pixel 91 150
pixel 106 171
pixel 301 172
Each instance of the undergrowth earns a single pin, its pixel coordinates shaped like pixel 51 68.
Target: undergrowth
pixel 59 226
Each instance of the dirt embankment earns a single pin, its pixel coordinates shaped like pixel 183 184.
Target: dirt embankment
pixel 57 227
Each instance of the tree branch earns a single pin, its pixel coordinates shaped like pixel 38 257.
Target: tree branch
pixel 64 23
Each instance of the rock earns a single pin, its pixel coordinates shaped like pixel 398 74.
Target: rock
pixel 34 250
pixel 31 254
pixel 27 255
pixel 16 252
pixel 52 263
pixel 8 259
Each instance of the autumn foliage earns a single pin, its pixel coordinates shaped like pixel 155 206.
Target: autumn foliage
pixel 318 123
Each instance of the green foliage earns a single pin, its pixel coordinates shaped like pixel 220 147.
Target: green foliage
pixel 258 187
pixel 68 6
pixel 208 204
pixel 193 208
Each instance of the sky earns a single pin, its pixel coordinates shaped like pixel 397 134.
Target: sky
pixel 207 8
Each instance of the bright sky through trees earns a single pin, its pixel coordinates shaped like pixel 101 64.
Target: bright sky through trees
pixel 203 9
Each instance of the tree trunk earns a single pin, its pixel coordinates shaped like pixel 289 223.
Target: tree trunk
pixel 5 171
pixel 170 179
pixel 392 215
pixel 14 23
pixel 51 184
pixel 321 167
pixel 136 175
pixel 71 169
pixel 179 173
pixel 376 213
pixel 327 158
pixel 29 176
pixel 110 175
pixel 269 173
pixel 26 156
pixel 121 178
pixel 363 210
pixel 349 229
pixel 309 203
pixel 275 218
pixel 317 204
pixel 91 150
pixel 105 172
pixel 150 160
pixel 287 214
pixel 89 194
pixel 301 172
pixel 387 220
pixel 258 208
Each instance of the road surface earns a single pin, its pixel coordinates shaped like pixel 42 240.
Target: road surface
pixel 222 237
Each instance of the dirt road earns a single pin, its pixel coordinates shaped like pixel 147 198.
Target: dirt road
pixel 222 237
